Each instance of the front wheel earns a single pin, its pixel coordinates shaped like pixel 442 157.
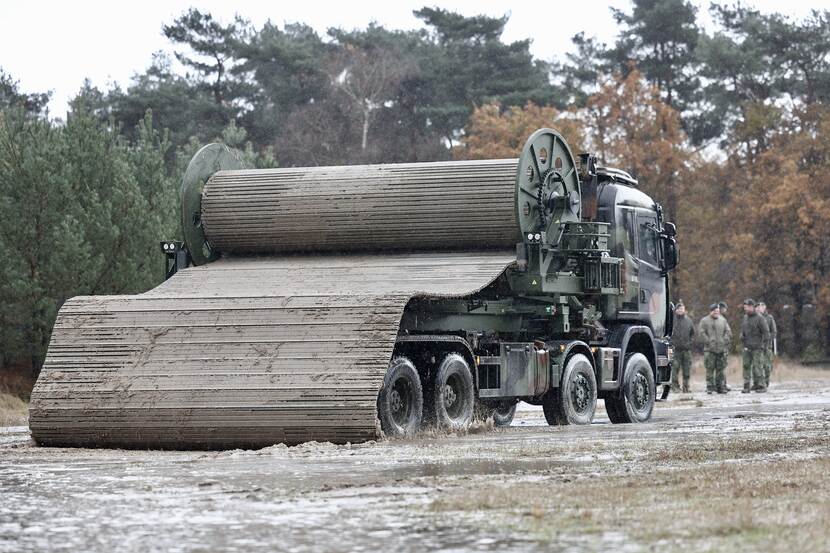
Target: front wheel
pixel 635 401
pixel 401 399
pixel 575 400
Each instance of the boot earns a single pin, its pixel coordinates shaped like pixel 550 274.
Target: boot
pixel 746 389
pixel 686 389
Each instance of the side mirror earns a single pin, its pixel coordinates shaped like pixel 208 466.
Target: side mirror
pixel 669 229
pixel 670 254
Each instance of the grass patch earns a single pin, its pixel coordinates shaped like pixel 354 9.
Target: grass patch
pixel 13 411
pixel 742 448
pixel 761 504
pixel 16 382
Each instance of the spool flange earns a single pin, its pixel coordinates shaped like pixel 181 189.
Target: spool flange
pixel 547 187
pixel 206 162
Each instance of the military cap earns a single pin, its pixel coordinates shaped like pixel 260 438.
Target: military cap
pixel 761 303
pixel 749 301
pixel 713 307
pixel 722 305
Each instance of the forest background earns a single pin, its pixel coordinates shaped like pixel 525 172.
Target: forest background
pixel 728 128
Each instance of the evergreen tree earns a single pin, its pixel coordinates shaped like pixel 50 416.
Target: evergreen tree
pixel 12 97
pixel 288 69
pixel 659 38
pixel 94 208
pixel 212 47
pixel 466 64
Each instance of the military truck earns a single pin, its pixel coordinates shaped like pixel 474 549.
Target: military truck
pixel 583 315
pixel 343 303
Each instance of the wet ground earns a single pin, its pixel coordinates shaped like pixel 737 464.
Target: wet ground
pixel 726 473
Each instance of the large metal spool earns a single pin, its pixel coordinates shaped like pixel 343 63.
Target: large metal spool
pixel 486 204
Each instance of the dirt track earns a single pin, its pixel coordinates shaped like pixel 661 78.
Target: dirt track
pixel 730 473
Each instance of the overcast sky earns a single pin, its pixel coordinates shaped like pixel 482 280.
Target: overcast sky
pixel 55 45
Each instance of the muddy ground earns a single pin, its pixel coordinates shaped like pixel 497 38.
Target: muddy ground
pixel 709 473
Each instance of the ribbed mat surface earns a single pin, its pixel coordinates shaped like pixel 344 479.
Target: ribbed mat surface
pixel 243 352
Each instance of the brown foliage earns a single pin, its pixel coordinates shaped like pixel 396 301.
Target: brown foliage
pixel 496 133
pixel 754 224
pixel 632 128
pixel 781 249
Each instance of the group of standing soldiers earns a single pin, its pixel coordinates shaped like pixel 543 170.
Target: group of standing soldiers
pixel 758 335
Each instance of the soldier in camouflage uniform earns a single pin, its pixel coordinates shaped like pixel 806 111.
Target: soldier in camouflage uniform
pixel 754 336
pixel 722 308
pixel 769 346
pixel 682 336
pixel 716 338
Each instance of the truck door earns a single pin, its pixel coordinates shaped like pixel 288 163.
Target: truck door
pixel 631 265
pixel 652 297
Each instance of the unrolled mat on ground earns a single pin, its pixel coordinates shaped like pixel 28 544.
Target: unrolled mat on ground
pixel 284 347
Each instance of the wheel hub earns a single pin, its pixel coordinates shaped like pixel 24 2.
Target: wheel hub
pixel 395 402
pixel 640 391
pixel 449 395
pixel 580 392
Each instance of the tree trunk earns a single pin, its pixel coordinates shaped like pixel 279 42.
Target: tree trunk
pixel 363 142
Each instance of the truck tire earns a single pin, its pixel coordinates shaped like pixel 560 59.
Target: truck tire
pixel 401 399
pixel 502 412
pixel 635 400
pixel 575 400
pixel 451 400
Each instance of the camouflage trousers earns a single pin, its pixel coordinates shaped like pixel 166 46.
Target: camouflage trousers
pixel 767 366
pixel 754 369
pixel 682 364
pixel 715 364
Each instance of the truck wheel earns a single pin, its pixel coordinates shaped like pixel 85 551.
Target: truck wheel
pixel 452 401
pixel 635 401
pixel 401 399
pixel 502 412
pixel 575 400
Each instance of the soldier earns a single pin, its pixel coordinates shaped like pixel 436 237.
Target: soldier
pixel 716 337
pixel 769 349
pixel 682 336
pixel 754 336
pixel 722 308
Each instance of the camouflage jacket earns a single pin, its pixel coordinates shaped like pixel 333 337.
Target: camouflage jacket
pixel 715 334
pixel 773 329
pixel 754 332
pixel 683 333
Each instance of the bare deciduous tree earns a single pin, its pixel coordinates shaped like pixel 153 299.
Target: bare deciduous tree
pixel 369 78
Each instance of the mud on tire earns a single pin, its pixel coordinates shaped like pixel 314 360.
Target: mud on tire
pixel 575 400
pixel 401 399
pixel 635 400
pixel 450 401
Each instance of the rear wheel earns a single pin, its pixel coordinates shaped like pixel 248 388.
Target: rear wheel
pixel 635 401
pixel 575 400
pixel 452 401
pixel 401 399
pixel 502 412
